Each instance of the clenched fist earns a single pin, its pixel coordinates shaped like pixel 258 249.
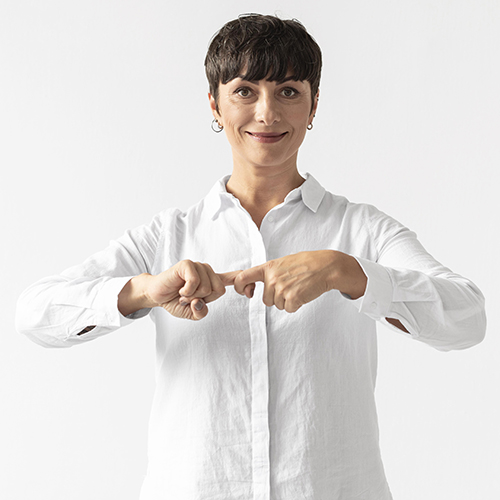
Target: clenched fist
pixel 183 290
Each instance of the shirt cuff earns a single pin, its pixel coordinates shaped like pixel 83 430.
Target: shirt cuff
pixel 106 302
pixel 377 299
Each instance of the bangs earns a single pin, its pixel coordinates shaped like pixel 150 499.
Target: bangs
pixel 273 62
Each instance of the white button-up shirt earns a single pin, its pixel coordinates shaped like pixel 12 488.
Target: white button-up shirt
pixel 254 403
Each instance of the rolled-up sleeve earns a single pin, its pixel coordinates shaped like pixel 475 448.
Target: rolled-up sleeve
pixel 55 310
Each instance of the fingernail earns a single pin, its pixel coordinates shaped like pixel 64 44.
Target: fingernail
pixel 199 305
pixel 251 293
pixel 183 302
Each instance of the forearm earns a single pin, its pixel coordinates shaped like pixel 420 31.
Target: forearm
pixel 132 298
pixel 55 310
pixel 80 304
pixel 443 310
pixel 455 319
pixel 350 279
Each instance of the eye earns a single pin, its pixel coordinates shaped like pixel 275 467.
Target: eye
pixel 243 92
pixel 289 92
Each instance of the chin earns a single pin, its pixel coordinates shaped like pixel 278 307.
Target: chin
pixel 268 161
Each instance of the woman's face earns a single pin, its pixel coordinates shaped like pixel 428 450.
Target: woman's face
pixel 265 122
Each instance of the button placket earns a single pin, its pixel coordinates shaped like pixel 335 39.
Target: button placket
pixel 260 376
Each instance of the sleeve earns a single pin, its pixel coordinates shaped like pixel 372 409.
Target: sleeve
pixel 435 305
pixel 53 311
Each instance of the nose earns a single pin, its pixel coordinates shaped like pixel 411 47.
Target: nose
pixel 267 109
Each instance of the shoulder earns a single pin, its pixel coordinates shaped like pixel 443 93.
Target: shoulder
pixel 177 222
pixel 365 221
pixel 363 213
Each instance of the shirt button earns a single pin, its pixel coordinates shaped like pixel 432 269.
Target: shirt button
pixel 270 218
pixel 374 305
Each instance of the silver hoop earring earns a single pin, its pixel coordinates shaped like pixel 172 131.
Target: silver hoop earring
pixel 219 126
pixel 310 126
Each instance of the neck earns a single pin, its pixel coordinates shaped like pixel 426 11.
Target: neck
pixel 259 189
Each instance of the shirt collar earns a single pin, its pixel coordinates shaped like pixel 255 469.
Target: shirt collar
pixel 311 192
pixel 213 200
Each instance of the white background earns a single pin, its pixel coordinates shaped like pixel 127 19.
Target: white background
pixel 104 121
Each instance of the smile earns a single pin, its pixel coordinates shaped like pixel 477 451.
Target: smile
pixel 266 137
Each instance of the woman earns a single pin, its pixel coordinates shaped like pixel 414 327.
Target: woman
pixel 269 394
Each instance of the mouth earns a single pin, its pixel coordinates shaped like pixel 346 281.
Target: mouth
pixel 266 137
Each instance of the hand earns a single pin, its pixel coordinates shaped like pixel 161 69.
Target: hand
pixel 294 280
pixel 183 290
pixel 186 288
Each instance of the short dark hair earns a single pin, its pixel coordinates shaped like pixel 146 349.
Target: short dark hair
pixel 266 46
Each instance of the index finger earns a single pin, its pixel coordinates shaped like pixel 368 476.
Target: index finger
pixel 248 277
pixel 228 278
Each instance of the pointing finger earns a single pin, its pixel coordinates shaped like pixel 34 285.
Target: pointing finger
pixel 248 277
pixel 228 278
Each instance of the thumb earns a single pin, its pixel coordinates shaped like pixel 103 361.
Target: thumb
pixel 198 309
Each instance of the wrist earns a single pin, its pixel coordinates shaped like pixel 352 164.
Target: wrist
pixel 134 295
pixel 346 275
pixel 141 286
pixel 355 281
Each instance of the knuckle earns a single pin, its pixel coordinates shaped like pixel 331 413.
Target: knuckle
pixel 272 277
pixel 204 290
pixel 239 282
pixel 270 264
pixel 193 281
pixel 267 301
pixel 274 281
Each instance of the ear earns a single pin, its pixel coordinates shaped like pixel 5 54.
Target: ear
pixel 213 106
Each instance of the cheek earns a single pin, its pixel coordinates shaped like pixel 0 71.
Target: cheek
pixel 233 130
pixel 301 116
pixel 235 122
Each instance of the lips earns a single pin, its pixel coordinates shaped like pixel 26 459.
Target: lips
pixel 266 137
